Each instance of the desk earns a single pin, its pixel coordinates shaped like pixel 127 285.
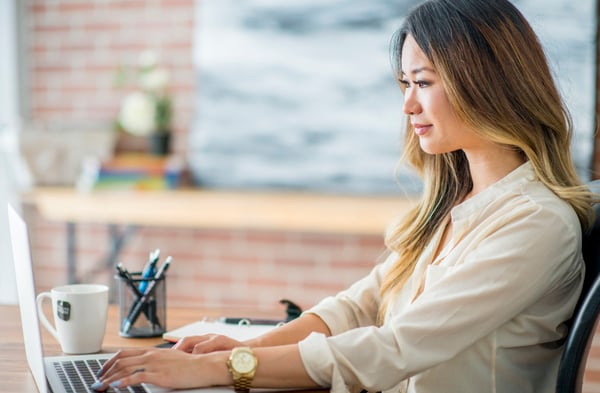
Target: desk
pixel 273 211
pixel 14 371
pixel 15 376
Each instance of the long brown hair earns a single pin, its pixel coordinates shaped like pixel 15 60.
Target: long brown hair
pixel 497 79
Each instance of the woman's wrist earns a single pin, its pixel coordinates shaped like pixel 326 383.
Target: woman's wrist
pixel 253 343
pixel 216 364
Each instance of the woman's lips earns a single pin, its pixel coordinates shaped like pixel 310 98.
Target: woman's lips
pixel 421 129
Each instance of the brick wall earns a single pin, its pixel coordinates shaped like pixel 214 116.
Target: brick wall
pixel 74 48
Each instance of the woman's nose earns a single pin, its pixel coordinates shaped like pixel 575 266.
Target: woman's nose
pixel 411 104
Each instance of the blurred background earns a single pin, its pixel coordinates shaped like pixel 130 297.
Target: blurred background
pixel 130 97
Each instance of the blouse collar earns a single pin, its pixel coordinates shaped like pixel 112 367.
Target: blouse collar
pixel 511 182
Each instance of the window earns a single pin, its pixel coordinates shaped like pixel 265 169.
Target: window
pixel 300 94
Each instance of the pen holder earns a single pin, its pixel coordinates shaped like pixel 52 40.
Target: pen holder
pixel 142 306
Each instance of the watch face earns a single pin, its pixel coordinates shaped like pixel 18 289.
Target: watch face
pixel 243 362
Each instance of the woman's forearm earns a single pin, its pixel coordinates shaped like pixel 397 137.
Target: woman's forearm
pixel 279 360
pixel 281 366
pixel 278 367
pixel 292 332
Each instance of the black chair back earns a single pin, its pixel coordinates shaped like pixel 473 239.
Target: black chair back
pixel 585 317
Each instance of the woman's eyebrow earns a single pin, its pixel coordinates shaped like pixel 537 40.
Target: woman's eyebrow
pixel 419 70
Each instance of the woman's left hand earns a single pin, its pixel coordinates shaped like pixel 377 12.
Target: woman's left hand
pixel 162 367
pixel 206 343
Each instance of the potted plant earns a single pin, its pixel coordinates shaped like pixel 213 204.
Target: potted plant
pixel 147 111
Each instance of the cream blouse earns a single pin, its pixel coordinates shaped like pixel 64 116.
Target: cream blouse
pixel 491 314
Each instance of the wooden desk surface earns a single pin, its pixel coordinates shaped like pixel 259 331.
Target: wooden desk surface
pixel 14 371
pixel 304 212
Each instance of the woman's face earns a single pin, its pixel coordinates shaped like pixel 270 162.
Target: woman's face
pixel 434 120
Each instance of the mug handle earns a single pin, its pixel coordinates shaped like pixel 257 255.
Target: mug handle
pixel 40 300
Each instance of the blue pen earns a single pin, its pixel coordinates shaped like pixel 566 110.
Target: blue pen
pixel 149 270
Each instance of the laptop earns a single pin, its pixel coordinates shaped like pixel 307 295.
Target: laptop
pixel 58 374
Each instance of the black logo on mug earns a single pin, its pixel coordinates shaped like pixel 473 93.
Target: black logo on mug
pixel 63 310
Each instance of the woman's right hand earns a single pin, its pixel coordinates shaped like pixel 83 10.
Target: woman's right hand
pixel 290 333
pixel 206 343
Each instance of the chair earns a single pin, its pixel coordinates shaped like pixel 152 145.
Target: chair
pixel 585 317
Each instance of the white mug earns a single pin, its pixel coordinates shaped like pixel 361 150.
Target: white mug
pixel 79 316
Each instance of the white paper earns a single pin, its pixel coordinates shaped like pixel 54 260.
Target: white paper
pixel 237 332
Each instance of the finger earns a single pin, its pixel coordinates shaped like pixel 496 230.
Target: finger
pixel 122 380
pixel 122 368
pixel 186 344
pixel 119 355
pixel 215 343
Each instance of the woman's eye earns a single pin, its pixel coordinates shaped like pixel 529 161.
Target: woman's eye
pixel 406 83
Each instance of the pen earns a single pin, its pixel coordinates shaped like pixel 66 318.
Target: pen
pixel 150 269
pixel 139 304
pixel 250 321
pixel 126 276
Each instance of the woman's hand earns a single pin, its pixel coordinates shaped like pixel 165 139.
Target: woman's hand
pixel 161 367
pixel 206 343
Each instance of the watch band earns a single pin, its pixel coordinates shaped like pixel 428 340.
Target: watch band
pixel 242 384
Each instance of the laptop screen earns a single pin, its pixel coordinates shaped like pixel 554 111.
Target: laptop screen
pixel 19 240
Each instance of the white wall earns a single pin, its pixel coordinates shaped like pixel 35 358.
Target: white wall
pixel 10 180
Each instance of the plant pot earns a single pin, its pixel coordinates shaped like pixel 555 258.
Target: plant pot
pixel 160 144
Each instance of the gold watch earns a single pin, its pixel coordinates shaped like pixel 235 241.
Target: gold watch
pixel 242 365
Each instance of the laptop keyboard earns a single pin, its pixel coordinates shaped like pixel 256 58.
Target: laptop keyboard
pixel 78 375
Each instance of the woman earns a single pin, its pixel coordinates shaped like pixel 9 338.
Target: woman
pixel 481 275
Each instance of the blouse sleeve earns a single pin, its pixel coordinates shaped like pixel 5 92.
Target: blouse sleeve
pixel 532 255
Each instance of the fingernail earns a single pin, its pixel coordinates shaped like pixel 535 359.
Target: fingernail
pixel 97 385
pixel 115 384
pixel 99 373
